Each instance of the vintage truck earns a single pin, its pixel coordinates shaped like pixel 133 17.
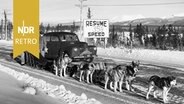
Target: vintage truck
pixel 54 45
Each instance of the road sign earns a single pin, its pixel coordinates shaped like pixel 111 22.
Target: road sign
pixel 96 28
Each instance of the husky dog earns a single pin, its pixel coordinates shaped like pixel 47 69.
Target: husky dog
pixel 115 75
pixel 131 71
pixel 88 69
pixel 63 64
pixel 162 83
pixel 121 73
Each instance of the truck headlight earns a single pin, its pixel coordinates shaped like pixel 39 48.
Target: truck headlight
pixel 75 49
pixel 95 48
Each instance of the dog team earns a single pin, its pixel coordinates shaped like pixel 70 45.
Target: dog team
pixel 115 76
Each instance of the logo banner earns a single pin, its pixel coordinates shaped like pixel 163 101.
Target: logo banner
pixel 25 27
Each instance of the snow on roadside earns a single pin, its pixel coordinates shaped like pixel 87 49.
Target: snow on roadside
pixel 55 91
pixel 6 42
pixel 159 56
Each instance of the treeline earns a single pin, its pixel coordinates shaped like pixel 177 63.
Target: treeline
pixel 58 28
pixel 153 37
pixel 140 36
pixel 6 30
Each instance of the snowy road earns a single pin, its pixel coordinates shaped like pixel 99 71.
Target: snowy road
pixel 143 62
pixel 153 57
pixel 107 96
pixel 92 91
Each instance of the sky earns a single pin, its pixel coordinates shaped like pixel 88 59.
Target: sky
pixel 63 11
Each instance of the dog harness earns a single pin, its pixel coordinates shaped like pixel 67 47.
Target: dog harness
pixel 161 82
pixel 130 71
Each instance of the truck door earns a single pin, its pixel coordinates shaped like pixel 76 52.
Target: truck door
pixel 53 47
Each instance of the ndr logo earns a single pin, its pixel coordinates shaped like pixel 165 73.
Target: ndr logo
pixel 25 29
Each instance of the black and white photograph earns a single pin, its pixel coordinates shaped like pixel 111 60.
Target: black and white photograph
pixel 93 52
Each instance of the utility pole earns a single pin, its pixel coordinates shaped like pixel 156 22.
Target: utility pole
pixel 6 24
pixel 1 31
pixel 89 14
pixel 5 18
pixel 81 7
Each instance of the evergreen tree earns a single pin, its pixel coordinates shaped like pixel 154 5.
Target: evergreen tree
pixel 48 28
pixel 176 39
pixel 113 33
pixel 9 30
pixel 170 32
pixel 57 27
pixel 164 32
pixel 146 36
pixel 131 36
pixel 42 28
pixel 73 27
pixel 140 32
pixel 154 40
pixel 89 14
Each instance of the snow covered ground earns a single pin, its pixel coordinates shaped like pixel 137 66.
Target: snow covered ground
pixel 175 58
pixel 6 42
pixel 165 57
pixel 158 56
pixel 25 89
pixel 11 92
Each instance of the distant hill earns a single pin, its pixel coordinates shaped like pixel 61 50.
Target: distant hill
pixel 71 23
pixel 145 21
pixel 153 21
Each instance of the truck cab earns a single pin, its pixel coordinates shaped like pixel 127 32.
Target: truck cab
pixel 55 44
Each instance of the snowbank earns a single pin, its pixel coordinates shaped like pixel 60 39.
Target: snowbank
pixel 157 56
pixel 6 44
pixel 55 91
pixel 11 92
pixel 10 42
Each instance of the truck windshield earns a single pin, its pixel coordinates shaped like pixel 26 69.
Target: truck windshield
pixel 68 37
